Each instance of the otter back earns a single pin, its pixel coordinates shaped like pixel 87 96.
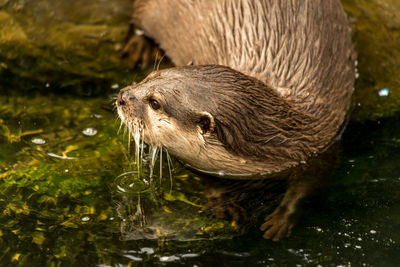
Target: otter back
pixel 299 48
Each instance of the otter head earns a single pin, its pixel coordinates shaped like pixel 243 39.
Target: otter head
pixel 215 119
pixel 170 113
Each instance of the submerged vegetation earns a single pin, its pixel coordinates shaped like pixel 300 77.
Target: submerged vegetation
pixel 66 175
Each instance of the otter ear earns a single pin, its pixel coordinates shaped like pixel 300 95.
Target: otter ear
pixel 205 123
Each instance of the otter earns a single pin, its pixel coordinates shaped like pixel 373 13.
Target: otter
pixel 268 86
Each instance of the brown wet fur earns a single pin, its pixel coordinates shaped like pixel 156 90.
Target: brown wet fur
pixel 270 87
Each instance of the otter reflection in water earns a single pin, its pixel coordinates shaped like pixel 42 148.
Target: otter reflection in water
pixel 198 207
pixel 269 88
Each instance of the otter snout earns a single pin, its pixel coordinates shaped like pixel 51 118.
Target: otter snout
pixel 129 105
pixel 120 99
pixel 124 97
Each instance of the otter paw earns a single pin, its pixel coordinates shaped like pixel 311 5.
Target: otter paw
pixel 140 50
pixel 277 225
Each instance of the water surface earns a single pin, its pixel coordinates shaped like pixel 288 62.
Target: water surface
pixel 71 195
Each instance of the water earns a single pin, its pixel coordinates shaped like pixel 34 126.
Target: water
pixel 71 197
pixel 71 193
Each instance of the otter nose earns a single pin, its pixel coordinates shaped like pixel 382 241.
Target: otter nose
pixel 124 95
pixel 120 100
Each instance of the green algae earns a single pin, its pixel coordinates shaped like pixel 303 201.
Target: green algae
pixel 376 27
pixel 59 185
pixel 50 42
pixel 42 194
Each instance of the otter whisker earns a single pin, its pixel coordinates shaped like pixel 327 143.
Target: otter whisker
pixel 118 118
pixel 161 149
pixel 155 61
pixel 159 63
pixel 124 133
pixel 153 152
pixel 169 161
pixel 129 141
pixel 137 146
pixel 141 144
pixel 120 126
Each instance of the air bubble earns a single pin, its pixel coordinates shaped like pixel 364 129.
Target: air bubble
pixel 383 92
pixel 89 131
pixel 85 219
pixel 38 141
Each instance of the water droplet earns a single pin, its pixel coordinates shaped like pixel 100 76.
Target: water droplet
pixel 147 250
pixel 85 219
pixel 169 258
pixel 38 141
pixel 190 255
pixel 372 231
pixel 115 86
pixel 120 188
pixel 89 131
pixel 51 154
pixel 131 257
pixel 383 92
pixel 139 32
pixel 66 170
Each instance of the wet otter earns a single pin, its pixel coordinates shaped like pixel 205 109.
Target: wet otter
pixel 270 84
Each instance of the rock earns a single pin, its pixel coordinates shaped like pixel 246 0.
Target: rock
pixel 376 25
pixel 64 42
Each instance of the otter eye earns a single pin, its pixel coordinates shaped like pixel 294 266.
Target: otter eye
pixel 154 104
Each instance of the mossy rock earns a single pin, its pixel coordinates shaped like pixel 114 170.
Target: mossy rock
pixel 64 42
pixel 376 26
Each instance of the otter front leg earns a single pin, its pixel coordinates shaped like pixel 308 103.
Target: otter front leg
pixel 140 49
pixel 279 224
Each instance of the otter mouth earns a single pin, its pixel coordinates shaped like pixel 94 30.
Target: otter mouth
pixel 136 129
